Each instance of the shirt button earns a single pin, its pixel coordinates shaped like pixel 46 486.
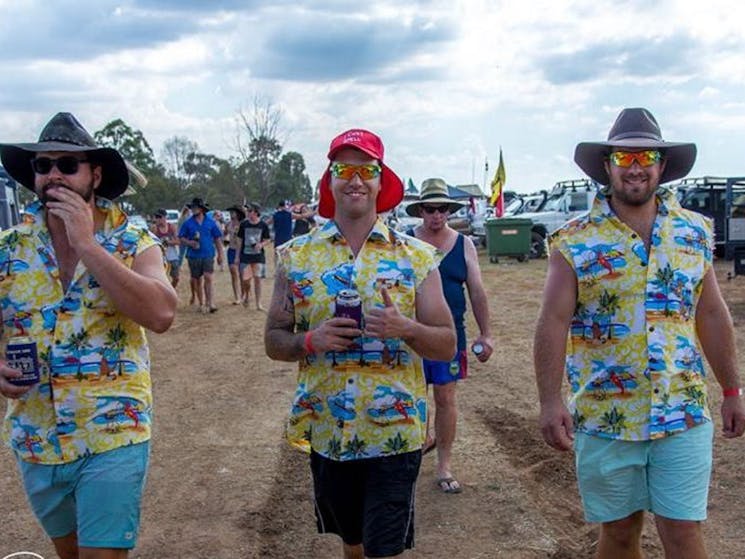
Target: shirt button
pixel 651 328
pixel 633 235
pixel 656 390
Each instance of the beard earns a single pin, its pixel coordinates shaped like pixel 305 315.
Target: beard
pixel 44 196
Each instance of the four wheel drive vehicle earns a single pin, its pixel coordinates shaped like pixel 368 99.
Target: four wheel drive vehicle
pixel 529 203
pixel 567 200
pixel 172 216
pixel 707 195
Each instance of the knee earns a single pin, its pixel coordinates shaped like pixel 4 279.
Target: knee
pixel 445 395
pixel 625 533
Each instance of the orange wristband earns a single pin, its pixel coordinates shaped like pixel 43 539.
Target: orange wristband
pixel 308 344
pixel 729 392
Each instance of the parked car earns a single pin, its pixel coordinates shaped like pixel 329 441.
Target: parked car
pixel 567 200
pixel 399 220
pixel 172 216
pixel 707 195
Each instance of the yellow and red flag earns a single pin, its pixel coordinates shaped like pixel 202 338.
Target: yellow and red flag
pixel 497 188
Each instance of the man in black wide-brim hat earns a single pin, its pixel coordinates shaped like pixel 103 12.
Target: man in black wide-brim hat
pixel 629 299
pixel 80 285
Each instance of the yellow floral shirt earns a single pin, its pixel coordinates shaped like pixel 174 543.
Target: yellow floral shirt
pixel 633 359
pixel 371 400
pixel 94 394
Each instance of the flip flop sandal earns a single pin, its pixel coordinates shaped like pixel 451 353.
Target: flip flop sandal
pixel 448 485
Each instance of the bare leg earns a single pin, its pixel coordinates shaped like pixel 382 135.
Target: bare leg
pixel 446 416
pixel 194 286
pixel 621 539
pixel 102 553
pixel 66 546
pixel 682 539
pixel 208 291
pixel 235 280
pixel 353 551
pixel 257 286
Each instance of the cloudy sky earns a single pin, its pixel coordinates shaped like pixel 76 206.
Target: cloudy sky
pixel 445 83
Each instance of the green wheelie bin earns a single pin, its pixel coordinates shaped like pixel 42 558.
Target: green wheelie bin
pixel 508 236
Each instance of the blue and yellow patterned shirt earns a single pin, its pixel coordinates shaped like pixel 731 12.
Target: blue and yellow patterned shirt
pixel 371 400
pixel 633 360
pixel 94 394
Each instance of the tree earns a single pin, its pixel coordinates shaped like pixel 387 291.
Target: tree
pixel 290 179
pixel 130 143
pixel 176 152
pixel 258 145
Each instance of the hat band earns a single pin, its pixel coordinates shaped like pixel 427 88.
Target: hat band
pixel 644 135
pixel 434 195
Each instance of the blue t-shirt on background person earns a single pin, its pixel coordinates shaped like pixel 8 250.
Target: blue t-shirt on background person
pixel 282 220
pixel 208 232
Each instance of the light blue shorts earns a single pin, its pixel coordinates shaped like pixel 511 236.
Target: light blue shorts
pixel 669 477
pixel 97 496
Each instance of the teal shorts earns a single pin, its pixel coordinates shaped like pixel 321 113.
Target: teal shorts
pixel 97 496
pixel 669 477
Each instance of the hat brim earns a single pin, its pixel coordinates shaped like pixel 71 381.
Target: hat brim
pixel 414 209
pixel 390 195
pixel 679 157
pixel 16 159
pixel 237 210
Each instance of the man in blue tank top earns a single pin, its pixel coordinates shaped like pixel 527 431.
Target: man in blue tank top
pixel 459 266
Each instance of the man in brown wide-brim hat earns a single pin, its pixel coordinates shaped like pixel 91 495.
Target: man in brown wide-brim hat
pixel 80 287
pixel 630 297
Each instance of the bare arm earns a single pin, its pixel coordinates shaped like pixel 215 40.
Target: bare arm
pixel 142 293
pixel 284 344
pixel 431 335
pixel 549 350
pixel 717 338
pixel 479 301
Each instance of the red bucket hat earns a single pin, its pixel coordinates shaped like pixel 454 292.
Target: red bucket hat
pixel 391 187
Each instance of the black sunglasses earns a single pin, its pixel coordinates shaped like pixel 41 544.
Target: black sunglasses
pixel 444 208
pixel 67 164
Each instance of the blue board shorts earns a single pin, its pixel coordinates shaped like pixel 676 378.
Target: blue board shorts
pixel 444 372
pixel 97 496
pixel 669 477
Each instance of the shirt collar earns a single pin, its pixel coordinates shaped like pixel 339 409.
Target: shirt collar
pixel 666 202
pixel 379 232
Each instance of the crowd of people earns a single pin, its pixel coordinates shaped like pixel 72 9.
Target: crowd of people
pixel 372 316
pixel 201 236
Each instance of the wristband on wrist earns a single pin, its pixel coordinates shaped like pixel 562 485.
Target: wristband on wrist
pixel 308 344
pixel 729 392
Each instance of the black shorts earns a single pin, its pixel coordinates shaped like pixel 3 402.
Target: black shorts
pixel 200 266
pixel 369 501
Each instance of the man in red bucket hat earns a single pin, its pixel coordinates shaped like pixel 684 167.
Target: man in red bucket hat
pixel 357 305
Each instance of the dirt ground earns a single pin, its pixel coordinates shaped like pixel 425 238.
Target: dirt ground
pixel 224 485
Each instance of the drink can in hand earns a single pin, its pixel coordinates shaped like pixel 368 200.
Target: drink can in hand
pixel 477 349
pixel 21 354
pixel 349 305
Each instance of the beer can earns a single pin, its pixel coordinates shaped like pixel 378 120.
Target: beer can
pixel 349 305
pixel 477 349
pixel 21 354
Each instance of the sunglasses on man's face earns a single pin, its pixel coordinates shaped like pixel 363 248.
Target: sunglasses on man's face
pixel 626 158
pixel 443 209
pixel 345 171
pixel 67 164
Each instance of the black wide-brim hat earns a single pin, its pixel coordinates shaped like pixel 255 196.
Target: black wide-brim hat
pixel 635 128
pixel 64 133
pixel 239 211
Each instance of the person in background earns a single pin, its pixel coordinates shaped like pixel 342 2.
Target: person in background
pixel 629 302
pixel 357 329
pixel 254 236
pixel 204 239
pixel 282 224
pixel 302 214
pixel 81 430
pixel 459 267
pixel 168 236
pixel 237 215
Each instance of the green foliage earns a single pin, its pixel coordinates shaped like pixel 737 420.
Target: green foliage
pixel 261 174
